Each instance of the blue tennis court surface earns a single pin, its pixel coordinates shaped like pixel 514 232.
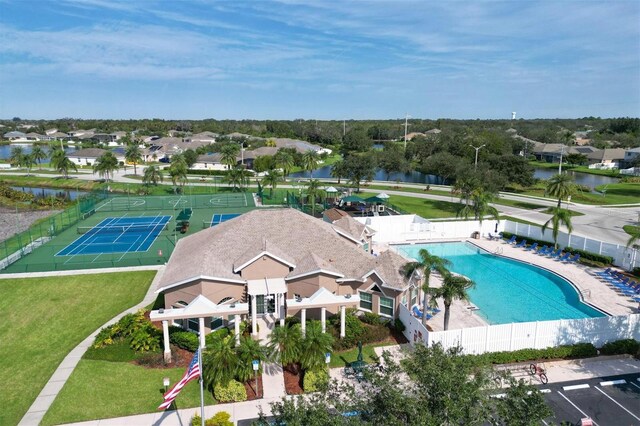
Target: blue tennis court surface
pixel 117 235
pixel 219 218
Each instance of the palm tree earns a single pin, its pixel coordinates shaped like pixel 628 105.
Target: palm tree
pixel 337 170
pixel 314 346
pixel 285 161
pixel 481 206
pixel 38 154
pixel 238 177
pixel 465 186
pixel 247 351
pixel 132 154
pixel 559 216
pixel 310 161
pixel 17 154
pixel 56 155
pixel 272 178
pixel 285 346
pixel 152 176
pixel 454 287
pixel 105 165
pixel 178 171
pixel 634 236
pixel 220 362
pixel 64 165
pixel 229 154
pixel 314 191
pixel 560 186
pixel 427 262
pixel 28 161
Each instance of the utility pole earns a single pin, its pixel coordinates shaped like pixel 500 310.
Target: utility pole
pixel 477 149
pixel 560 165
pixel 406 124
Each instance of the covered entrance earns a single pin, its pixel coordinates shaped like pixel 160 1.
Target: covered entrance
pixel 266 296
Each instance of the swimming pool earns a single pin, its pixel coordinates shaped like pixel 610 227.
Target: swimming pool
pixel 506 290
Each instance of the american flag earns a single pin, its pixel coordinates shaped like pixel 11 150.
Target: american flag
pixel 192 372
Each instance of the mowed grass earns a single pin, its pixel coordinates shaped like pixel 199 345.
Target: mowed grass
pixel 426 208
pixel 104 389
pixel 44 318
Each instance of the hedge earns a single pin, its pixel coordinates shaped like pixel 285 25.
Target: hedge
pixel 315 380
pixel 185 340
pixel 584 255
pixel 219 419
pixel 233 392
pixel 625 346
pixel 579 350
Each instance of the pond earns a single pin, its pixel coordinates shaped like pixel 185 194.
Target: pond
pixel 68 194
pixel 5 150
pixel 416 177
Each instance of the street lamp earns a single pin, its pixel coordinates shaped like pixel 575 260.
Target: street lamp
pixel 477 149
pixel 166 382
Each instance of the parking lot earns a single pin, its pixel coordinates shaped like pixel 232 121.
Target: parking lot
pixel 608 401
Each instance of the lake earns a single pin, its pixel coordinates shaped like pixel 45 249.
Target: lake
pixel 416 177
pixel 5 150
pixel 68 194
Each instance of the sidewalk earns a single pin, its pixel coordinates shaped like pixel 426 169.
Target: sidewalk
pixel 48 394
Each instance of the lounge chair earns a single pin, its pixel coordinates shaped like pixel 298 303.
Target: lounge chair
pixel 542 249
pixel 564 257
pixel 511 240
pixel 605 273
pixel 522 243
pixel 574 259
pixel 554 253
pixel 533 247
pixel 417 312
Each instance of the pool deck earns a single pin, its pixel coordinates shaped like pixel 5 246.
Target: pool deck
pixel 594 291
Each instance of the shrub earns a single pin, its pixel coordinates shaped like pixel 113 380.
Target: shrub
pixel 398 325
pixel 185 340
pixel 291 321
pixel 233 392
pixel 579 350
pixel 606 260
pixel 375 333
pixel 625 346
pixel 104 338
pixel 216 335
pixel 219 419
pixel 145 339
pixel 636 271
pixel 371 318
pixel 315 380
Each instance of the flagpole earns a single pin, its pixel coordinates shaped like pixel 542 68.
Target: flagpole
pixel 201 386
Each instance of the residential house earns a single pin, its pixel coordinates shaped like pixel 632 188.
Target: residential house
pixel 88 156
pixel 16 136
pixel 608 158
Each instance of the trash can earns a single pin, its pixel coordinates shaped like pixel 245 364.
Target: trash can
pixel 476 235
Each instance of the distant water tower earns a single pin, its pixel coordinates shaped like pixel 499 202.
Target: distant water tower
pixel 513 115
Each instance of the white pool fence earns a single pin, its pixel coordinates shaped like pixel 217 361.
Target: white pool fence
pixel 525 335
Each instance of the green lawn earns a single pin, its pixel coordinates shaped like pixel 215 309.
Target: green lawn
pixel 518 220
pixel 44 318
pixel 631 229
pixel 341 359
pixel 103 389
pixel 549 210
pixel 426 208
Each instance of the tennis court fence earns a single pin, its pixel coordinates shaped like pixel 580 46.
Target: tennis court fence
pixel 122 229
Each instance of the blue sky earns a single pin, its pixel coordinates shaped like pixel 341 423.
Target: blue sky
pixel 324 60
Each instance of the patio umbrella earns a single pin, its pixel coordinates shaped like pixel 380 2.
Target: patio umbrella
pixel 330 190
pixel 360 358
pixel 372 200
pixel 383 196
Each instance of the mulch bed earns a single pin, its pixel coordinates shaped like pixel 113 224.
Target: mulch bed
pixel 179 358
pixel 293 382
pixel 251 394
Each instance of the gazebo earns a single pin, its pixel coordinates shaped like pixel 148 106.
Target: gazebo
pixel 322 299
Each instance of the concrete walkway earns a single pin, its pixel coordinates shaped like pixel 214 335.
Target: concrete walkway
pixel 81 272
pixel 36 412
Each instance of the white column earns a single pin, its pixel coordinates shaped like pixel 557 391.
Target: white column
pixel 236 326
pixel 283 311
pixel 303 318
pixel 323 319
pixel 201 331
pixel 167 347
pixel 277 304
pixel 342 321
pixel 254 316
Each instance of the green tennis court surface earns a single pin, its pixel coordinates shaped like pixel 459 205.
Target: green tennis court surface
pixel 36 250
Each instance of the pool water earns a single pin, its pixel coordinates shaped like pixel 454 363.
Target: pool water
pixel 506 290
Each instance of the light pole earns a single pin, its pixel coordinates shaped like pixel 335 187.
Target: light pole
pixel 406 124
pixel 475 167
pixel 560 165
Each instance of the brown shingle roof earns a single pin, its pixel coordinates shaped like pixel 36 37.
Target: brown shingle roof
pixel 305 241
pixel 334 214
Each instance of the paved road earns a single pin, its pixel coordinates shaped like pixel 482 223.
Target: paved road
pixel 603 223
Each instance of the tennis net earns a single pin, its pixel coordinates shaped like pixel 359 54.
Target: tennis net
pixel 122 229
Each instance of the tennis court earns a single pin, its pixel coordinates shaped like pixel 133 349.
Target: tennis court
pixel 219 218
pixel 177 202
pixel 117 235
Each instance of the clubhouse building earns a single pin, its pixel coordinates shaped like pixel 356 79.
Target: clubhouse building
pixel 276 263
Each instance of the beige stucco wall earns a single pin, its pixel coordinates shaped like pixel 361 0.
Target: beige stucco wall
pixel 308 285
pixel 214 291
pixel 265 267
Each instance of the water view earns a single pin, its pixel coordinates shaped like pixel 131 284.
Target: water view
pixel 5 150
pixel 68 194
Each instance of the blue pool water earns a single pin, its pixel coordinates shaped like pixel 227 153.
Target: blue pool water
pixel 506 290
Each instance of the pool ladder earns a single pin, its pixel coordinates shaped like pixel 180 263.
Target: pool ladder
pixel 498 250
